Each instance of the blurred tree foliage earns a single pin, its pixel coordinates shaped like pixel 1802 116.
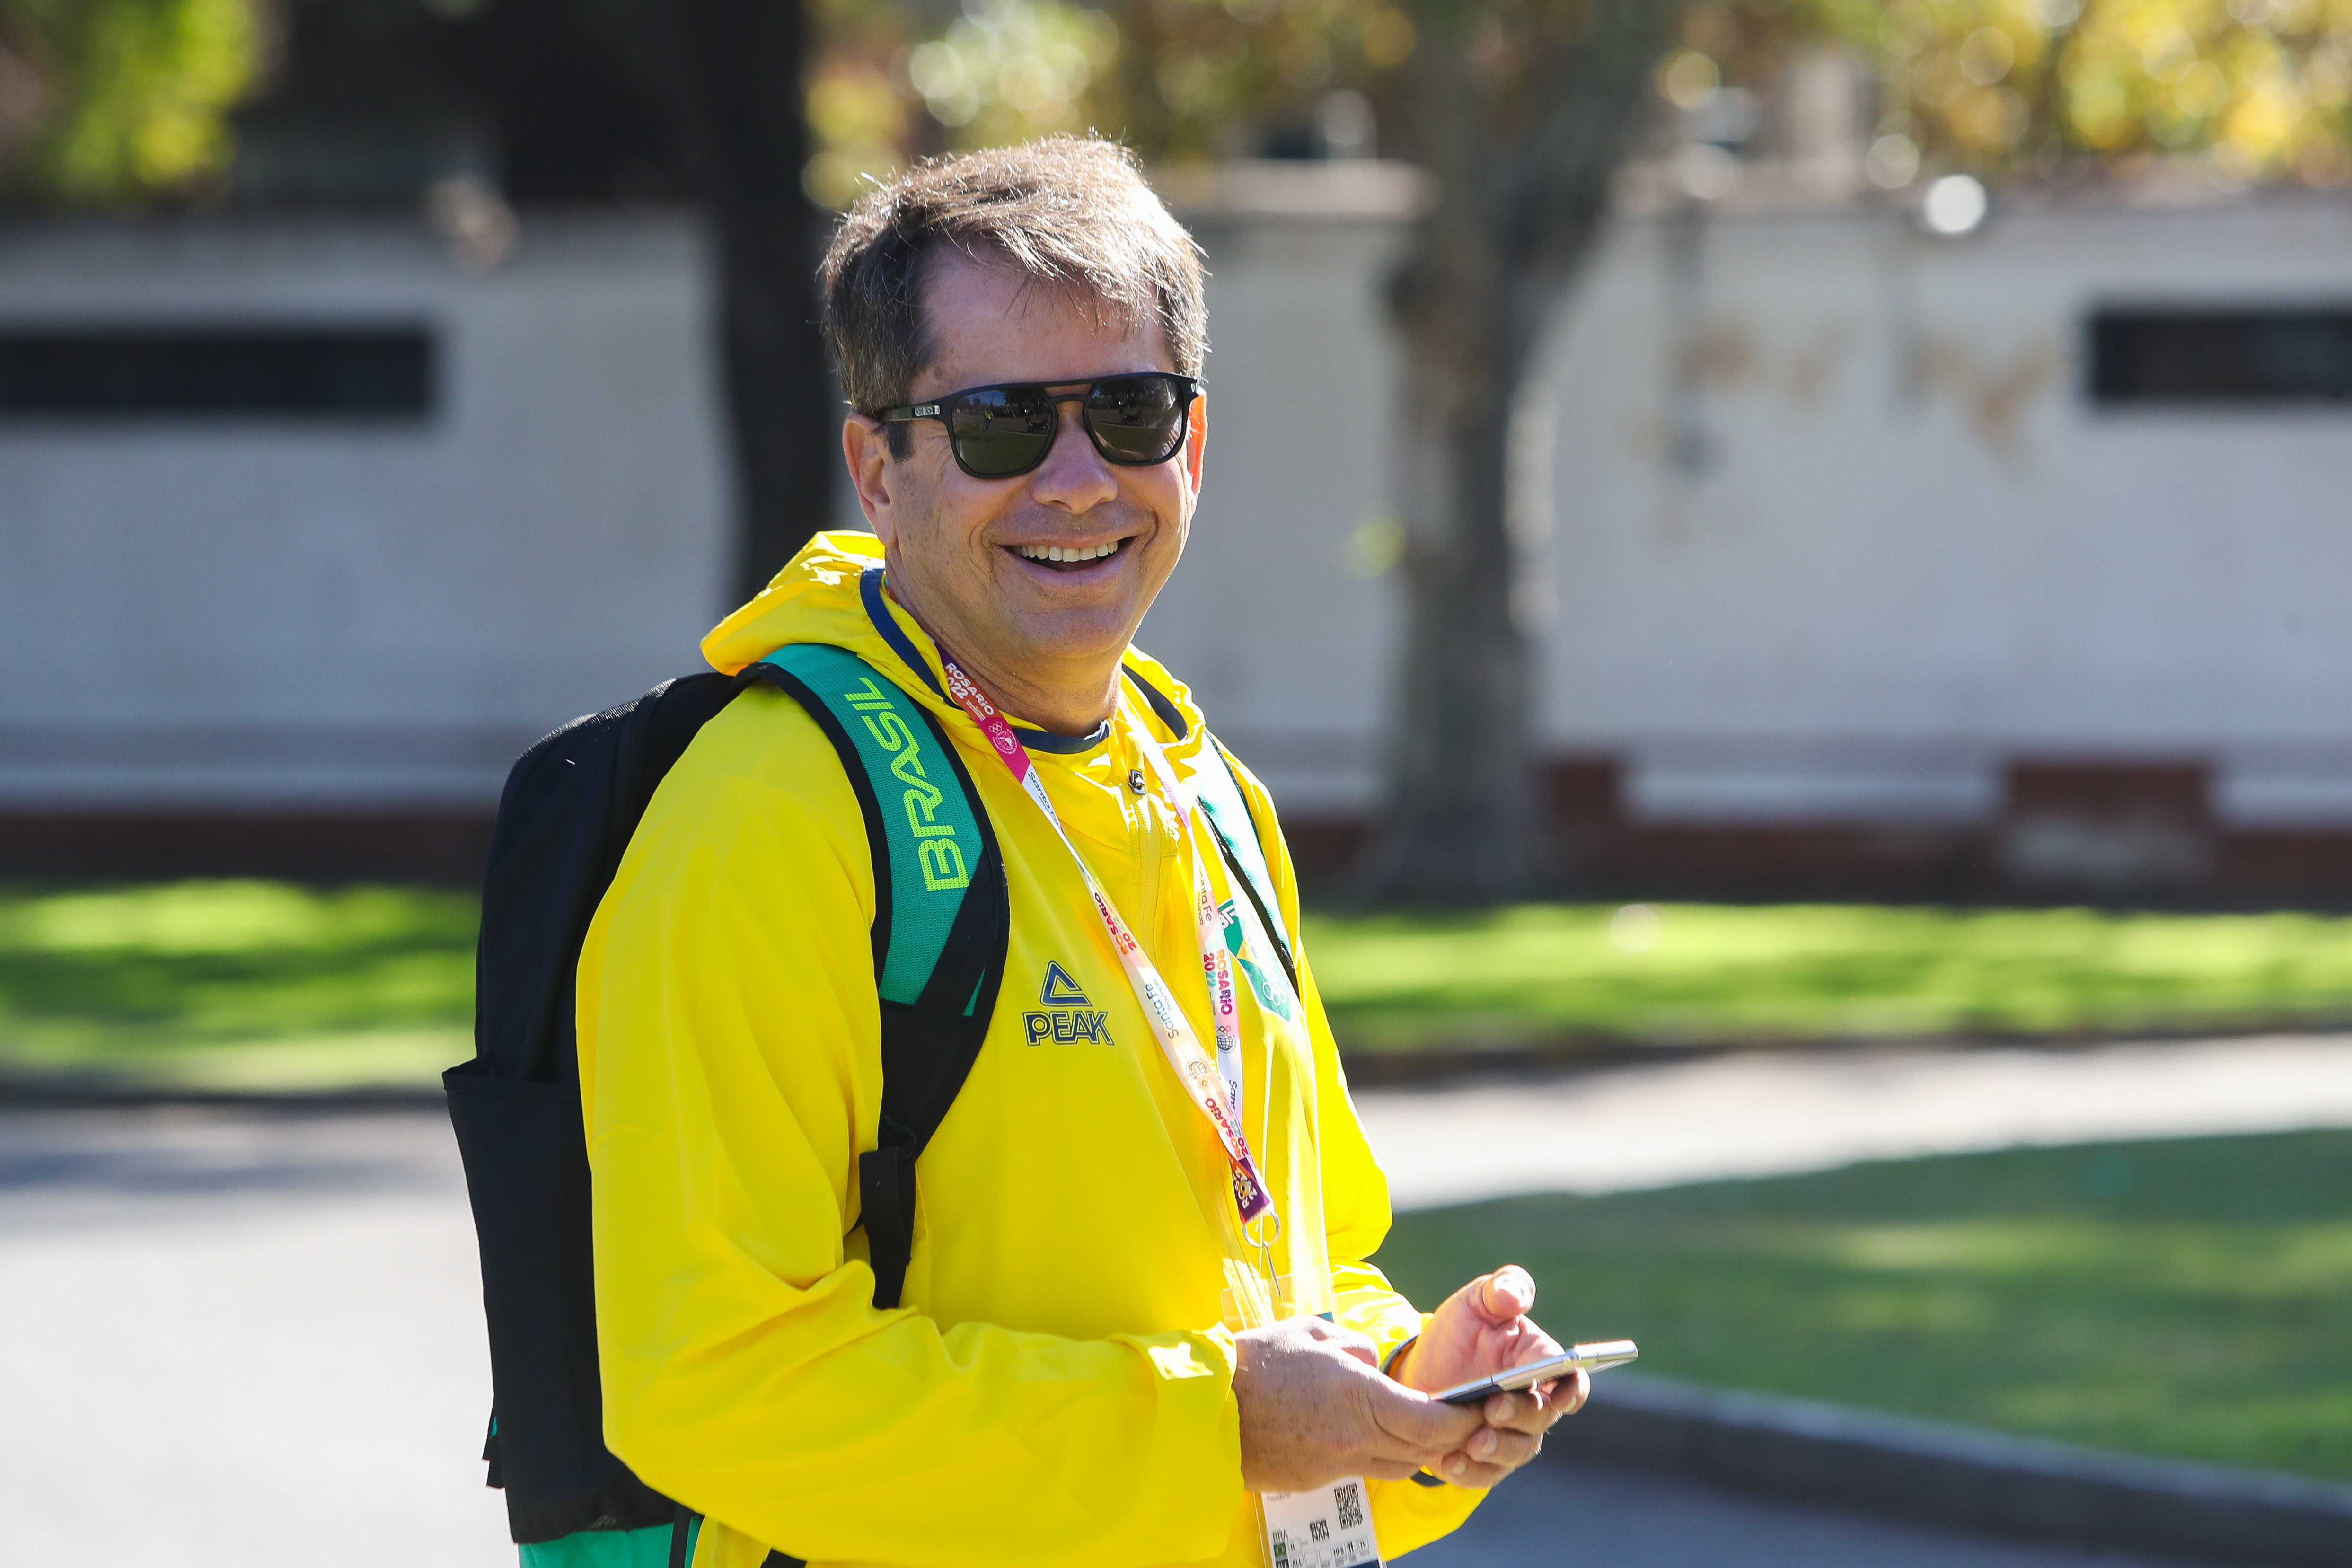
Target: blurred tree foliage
pixel 2261 84
pixel 1993 87
pixel 111 101
pixel 1180 81
pixel 107 100
pixel 2053 88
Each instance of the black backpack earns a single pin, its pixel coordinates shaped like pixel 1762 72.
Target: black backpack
pixel 940 923
pixel 567 812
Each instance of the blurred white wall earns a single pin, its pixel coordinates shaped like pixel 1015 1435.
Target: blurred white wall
pixel 244 611
pixel 1839 532
pixel 1907 550
pixel 1913 547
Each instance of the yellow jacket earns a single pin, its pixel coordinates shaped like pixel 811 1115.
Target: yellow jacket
pixel 1058 1387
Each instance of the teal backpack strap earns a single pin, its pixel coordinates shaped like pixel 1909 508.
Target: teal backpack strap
pixel 1229 814
pixel 1236 825
pixel 940 917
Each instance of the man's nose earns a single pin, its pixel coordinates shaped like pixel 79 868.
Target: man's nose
pixel 1074 477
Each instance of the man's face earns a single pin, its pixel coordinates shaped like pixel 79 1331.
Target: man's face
pixel 965 554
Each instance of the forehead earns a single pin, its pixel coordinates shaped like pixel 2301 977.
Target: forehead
pixel 989 322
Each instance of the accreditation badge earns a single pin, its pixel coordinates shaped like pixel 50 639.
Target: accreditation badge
pixel 1329 1527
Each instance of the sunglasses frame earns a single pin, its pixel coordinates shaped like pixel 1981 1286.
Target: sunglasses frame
pixel 1056 393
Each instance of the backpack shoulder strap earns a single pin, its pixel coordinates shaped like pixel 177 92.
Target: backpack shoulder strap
pixel 940 917
pixel 1229 812
pixel 1237 834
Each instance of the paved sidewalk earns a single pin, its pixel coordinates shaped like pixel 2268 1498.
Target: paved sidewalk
pixel 1772 1113
pixel 240 1340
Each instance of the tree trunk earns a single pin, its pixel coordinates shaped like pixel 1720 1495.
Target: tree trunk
pixel 734 75
pixel 1460 827
pixel 1462 823
pixel 1520 199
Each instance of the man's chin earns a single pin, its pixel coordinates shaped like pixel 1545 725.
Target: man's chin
pixel 1073 635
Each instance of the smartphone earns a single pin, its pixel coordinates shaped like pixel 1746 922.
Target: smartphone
pixel 1592 1358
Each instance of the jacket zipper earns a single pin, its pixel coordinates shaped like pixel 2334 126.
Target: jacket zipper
pixel 1147 854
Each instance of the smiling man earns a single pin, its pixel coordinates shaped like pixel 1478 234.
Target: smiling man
pixel 1129 1319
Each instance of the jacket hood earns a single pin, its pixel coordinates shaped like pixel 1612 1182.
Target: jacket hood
pixel 830 593
pixel 814 598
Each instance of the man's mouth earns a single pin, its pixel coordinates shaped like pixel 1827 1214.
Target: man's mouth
pixel 1067 555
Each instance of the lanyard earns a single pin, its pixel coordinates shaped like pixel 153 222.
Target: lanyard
pixel 1215 1091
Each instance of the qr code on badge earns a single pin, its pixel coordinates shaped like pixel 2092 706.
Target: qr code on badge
pixel 1350 1498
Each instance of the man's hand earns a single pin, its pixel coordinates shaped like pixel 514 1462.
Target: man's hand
pixel 1481 1330
pixel 1315 1407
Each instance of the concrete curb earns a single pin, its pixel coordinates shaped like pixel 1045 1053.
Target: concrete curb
pixel 1963 1476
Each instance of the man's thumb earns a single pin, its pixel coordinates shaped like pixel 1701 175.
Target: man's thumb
pixel 1509 1293
pixel 1426 1423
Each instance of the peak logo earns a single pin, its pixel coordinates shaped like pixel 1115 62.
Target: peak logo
pixel 1064 1013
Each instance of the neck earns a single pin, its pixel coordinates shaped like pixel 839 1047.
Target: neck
pixel 1074 703
pixel 1060 696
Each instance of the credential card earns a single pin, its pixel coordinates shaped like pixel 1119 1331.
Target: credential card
pixel 1327 1528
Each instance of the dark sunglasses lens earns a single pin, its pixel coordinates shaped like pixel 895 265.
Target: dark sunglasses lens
pixel 1138 418
pixel 1001 431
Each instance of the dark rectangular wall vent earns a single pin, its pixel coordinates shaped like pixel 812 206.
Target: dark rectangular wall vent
pixel 2221 357
pixel 239 372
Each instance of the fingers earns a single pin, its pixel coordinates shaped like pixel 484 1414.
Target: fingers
pixel 1462 1473
pixel 1537 1409
pixel 1416 1428
pixel 1517 1413
pixel 1507 1294
pixel 1513 1435
pixel 1511 1431
pixel 1503 1447
pixel 1489 1457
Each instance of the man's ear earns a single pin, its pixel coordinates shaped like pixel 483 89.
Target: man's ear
pixel 866 448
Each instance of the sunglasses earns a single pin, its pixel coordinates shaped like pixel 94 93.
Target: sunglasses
pixel 998 432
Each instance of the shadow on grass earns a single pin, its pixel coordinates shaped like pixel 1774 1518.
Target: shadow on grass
pixel 2190 1298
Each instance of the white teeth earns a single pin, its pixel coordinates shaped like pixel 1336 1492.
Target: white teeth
pixel 1056 552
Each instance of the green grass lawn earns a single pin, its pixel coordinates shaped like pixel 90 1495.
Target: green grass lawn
pixel 2190 1298
pixel 259 984
pixel 237 986
pixel 1551 972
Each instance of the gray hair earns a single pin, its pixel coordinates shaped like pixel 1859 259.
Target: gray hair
pixel 1072 212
